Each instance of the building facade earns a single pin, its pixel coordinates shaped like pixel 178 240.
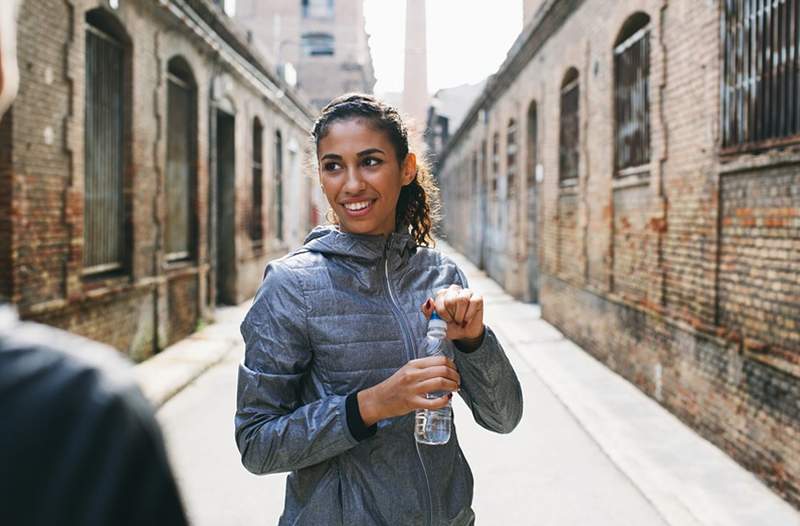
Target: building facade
pixel 325 41
pixel 147 170
pixel 636 170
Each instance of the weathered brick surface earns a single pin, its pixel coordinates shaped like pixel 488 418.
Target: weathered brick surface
pixel 153 302
pixel 759 283
pixel 684 277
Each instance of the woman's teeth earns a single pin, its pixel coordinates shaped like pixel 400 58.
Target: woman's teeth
pixel 357 206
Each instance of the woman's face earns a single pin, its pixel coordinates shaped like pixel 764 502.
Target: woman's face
pixel 361 177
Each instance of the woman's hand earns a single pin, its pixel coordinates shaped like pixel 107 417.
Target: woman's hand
pixel 405 390
pixel 462 309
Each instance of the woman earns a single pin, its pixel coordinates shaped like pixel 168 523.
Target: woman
pixel 332 373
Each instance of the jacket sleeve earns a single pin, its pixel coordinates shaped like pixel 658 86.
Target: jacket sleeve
pixel 275 431
pixel 489 384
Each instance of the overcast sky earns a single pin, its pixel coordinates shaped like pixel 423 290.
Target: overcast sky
pixel 467 39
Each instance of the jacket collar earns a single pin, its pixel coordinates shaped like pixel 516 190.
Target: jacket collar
pixel 330 240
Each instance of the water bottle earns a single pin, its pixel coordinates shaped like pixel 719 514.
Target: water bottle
pixel 432 426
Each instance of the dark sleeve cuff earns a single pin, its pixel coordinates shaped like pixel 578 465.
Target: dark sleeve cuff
pixel 468 347
pixel 355 423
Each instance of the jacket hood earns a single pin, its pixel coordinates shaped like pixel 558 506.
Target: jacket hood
pixel 329 240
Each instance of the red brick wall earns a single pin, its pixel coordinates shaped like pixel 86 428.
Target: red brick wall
pixel 684 278
pixel 153 302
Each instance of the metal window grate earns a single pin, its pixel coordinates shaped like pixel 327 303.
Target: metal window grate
pixel 104 205
pixel 632 102
pixel 256 217
pixel 568 154
pixel 495 163
pixel 511 156
pixel 533 145
pixel 760 84
pixel 279 186
pixel 180 177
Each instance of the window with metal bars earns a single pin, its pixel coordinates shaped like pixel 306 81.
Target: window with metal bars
pixel 533 145
pixel 317 44
pixel 317 8
pixel 495 163
pixel 569 136
pixel 180 174
pixel 279 185
pixel 256 211
pixel 104 232
pixel 760 85
pixel 511 157
pixel 631 94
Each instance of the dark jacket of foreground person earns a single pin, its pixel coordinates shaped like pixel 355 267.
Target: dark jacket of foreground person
pixel 79 444
pixel 336 316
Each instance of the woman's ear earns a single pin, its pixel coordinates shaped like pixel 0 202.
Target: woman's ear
pixel 409 169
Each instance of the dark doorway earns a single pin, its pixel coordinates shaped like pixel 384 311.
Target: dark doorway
pixel 226 224
pixel 532 241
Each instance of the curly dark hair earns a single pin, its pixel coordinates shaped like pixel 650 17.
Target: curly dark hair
pixel 418 205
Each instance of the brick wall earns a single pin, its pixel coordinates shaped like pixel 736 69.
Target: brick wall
pixel 682 276
pixel 153 301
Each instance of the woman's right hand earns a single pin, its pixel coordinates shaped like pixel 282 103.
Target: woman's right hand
pixel 405 390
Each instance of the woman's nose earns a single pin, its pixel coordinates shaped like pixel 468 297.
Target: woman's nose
pixel 354 183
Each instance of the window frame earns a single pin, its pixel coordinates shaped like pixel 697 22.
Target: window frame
pixel 184 80
pixel 570 82
pixel 104 26
pixel 635 33
pixel 743 67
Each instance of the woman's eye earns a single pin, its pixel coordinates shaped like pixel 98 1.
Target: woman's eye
pixel 329 167
pixel 372 161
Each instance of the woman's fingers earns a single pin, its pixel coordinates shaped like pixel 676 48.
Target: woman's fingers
pixel 446 302
pixel 423 402
pixel 474 308
pixel 437 385
pixel 431 361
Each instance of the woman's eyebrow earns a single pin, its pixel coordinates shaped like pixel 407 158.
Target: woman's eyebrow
pixel 370 151
pixel 334 156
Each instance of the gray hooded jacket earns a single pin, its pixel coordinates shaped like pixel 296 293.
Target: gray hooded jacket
pixel 336 316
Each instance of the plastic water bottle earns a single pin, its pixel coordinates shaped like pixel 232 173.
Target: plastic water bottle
pixel 432 426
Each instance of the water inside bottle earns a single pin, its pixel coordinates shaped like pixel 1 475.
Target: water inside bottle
pixel 432 427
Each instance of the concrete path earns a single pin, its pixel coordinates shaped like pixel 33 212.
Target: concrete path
pixel 591 450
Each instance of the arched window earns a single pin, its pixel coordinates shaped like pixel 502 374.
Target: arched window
pixel 278 185
pixel 569 136
pixel 181 185
pixel 495 163
pixel 511 157
pixel 256 211
pixel 317 44
pixel 631 94
pixel 533 145
pixel 107 81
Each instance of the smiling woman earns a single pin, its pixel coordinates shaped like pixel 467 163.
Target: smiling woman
pixel 333 371
pixel 371 179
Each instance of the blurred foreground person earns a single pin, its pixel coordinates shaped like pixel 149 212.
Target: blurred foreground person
pixel 78 442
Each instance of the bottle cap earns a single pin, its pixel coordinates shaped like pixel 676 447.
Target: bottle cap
pixel 437 322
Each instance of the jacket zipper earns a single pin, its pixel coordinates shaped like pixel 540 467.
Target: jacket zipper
pixel 406 332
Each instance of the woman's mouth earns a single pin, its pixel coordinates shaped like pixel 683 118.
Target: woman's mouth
pixel 359 208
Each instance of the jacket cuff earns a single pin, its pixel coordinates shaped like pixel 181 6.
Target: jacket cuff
pixel 468 347
pixel 355 423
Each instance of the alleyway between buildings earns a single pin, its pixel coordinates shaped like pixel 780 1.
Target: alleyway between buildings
pixel 591 450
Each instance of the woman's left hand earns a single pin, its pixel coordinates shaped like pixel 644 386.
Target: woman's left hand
pixel 462 309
